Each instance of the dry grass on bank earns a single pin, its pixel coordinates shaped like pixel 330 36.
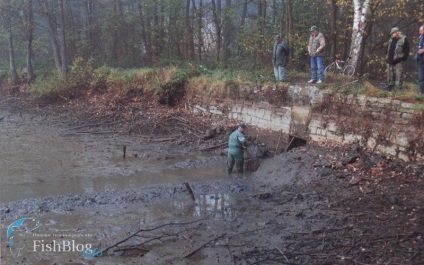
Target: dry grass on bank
pixel 169 82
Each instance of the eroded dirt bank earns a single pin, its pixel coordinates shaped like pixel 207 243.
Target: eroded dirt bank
pixel 308 206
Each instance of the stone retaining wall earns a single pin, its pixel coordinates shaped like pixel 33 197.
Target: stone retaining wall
pixel 386 126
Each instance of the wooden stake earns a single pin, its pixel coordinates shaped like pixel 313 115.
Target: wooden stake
pixel 287 148
pixel 278 142
pixel 190 191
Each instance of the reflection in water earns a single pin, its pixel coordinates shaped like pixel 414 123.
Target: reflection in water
pixel 218 204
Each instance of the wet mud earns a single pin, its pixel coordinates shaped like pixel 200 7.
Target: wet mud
pixel 312 205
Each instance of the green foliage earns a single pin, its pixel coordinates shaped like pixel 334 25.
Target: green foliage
pixel 349 89
pixel 48 86
pixel 419 98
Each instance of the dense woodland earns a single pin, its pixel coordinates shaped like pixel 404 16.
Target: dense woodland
pixel 40 35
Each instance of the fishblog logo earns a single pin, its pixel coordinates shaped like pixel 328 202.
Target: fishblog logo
pixel 19 232
pixel 66 246
pixel 62 246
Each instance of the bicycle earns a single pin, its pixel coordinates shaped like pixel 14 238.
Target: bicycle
pixel 340 67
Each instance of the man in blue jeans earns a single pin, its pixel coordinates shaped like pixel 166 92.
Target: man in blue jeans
pixel 419 58
pixel 315 48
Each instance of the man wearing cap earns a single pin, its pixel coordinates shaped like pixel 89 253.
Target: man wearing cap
pixel 279 58
pixel 236 145
pixel 397 54
pixel 419 58
pixel 315 49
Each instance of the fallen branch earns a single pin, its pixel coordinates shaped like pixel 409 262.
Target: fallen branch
pixel 282 253
pixel 201 246
pixel 213 147
pixel 95 125
pixel 148 230
pixel 159 140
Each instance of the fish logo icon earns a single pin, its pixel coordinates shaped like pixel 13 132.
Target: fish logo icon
pixel 17 233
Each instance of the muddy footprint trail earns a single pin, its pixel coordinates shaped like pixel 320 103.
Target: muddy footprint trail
pixel 308 206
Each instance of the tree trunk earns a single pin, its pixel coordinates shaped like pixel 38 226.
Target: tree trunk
pixel 216 19
pixel 12 66
pixel 30 34
pixel 282 11
pixel 333 30
pixel 90 24
pixel 229 34
pixel 360 21
pixel 52 34
pixel 259 16
pixel 289 22
pixel 243 16
pixel 199 29
pixel 274 13
pixel 189 28
pixel 145 37
pixel 361 61
pixel 63 55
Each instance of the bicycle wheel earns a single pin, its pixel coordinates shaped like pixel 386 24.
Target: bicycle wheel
pixel 349 70
pixel 330 69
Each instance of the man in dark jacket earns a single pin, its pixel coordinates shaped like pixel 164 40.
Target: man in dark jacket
pixel 397 54
pixel 279 58
pixel 419 58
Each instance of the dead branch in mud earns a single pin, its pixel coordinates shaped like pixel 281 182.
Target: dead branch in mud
pixel 282 253
pixel 136 234
pixel 159 140
pixel 96 125
pixel 204 244
pixel 212 147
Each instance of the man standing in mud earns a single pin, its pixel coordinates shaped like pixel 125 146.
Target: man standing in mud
pixel 236 145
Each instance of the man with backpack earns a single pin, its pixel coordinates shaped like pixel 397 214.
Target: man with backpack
pixel 279 58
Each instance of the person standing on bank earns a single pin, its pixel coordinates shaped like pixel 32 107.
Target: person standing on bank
pixel 236 145
pixel 397 54
pixel 279 58
pixel 419 58
pixel 315 49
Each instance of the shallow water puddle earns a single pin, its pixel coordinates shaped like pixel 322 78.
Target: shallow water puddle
pixel 71 232
pixel 36 161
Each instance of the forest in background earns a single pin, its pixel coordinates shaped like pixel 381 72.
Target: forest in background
pixel 38 36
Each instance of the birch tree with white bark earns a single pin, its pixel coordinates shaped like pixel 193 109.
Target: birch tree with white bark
pixel 360 20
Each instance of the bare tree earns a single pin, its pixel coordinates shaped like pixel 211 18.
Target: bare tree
pixel 228 31
pixel 30 34
pixel 216 11
pixel 189 28
pixel 145 34
pixel 12 65
pixel 360 22
pixel 333 34
pixel 199 29
pixel 63 54
pixel 47 12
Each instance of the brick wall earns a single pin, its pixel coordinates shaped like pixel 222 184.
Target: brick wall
pixel 386 126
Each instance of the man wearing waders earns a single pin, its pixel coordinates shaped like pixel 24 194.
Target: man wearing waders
pixel 236 145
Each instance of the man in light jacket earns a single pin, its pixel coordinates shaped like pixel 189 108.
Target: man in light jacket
pixel 315 49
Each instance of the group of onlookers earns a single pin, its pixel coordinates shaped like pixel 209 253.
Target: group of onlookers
pixel 397 53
